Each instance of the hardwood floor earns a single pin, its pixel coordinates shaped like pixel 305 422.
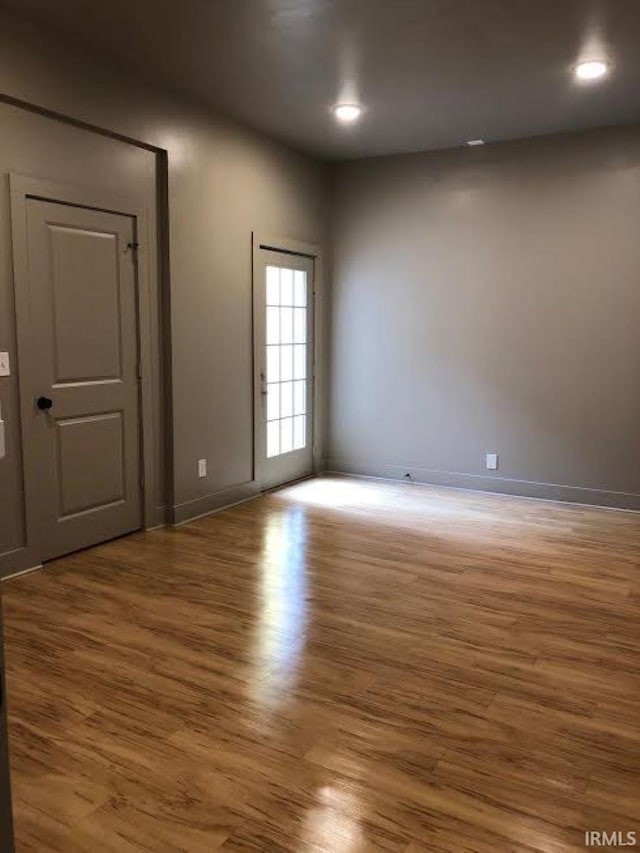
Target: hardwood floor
pixel 341 666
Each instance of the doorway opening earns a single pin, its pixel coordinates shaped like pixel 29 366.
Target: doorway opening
pixel 82 363
pixel 284 372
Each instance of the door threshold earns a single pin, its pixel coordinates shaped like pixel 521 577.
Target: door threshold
pixel 286 485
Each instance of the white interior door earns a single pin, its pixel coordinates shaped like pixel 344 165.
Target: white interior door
pixel 283 331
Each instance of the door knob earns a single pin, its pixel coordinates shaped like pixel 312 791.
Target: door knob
pixel 44 403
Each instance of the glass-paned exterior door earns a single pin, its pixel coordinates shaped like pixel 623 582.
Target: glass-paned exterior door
pixel 283 325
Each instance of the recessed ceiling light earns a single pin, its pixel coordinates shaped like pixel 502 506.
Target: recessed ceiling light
pixel 347 112
pixel 473 142
pixel 593 69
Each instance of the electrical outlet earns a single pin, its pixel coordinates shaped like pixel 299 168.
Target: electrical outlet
pixel 492 461
pixel 202 468
pixel 5 368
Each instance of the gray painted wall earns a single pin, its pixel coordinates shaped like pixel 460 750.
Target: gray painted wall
pixel 489 300
pixel 224 181
pixel 484 299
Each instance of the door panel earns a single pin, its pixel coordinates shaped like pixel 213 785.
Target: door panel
pixel 283 324
pixel 82 454
pixel 83 486
pixel 92 350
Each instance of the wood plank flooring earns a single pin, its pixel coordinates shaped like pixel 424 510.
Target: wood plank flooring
pixel 343 665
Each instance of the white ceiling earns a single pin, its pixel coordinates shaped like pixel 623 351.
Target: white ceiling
pixel 431 73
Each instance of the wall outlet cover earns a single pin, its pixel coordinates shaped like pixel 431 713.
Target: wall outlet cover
pixel 202 467
pixel 5 367
pixel 492 462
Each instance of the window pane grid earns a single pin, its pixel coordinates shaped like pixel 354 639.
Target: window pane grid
pixel 286 360
pixel 286 399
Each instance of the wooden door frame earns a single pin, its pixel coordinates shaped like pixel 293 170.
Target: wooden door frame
pixel 6 816
pixel 274 243
pixel 21 189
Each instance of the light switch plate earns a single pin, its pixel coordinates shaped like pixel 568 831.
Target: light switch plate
pixel 5 368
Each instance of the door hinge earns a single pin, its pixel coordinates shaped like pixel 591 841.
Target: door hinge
pixel 133 248
pixel 139 370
